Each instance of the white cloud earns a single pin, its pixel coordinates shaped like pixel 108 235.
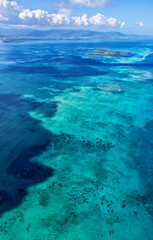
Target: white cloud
pixel 59 19
pixel 140 24
pixel 34 17
pixel 90 3
pixel 83 20
pixel 12 13
pixel 113 22
pixel 41 17
pixel 122 25
pixel 101 20
pixel 9 11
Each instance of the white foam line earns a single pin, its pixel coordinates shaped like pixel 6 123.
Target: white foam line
pixel 9 62
pixel 144 57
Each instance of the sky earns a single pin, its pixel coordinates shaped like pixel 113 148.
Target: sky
pixel 127 16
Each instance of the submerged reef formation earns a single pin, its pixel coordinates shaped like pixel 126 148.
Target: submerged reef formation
pixel 110 87
pixel 108 52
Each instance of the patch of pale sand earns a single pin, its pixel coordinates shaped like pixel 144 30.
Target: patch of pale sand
pixel 132 74
pixel 81 111
pixel 122 173
pixel 93 114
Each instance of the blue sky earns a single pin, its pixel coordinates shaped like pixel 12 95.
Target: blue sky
pixel 129 16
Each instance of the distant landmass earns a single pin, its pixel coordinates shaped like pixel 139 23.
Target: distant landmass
pixel 17 35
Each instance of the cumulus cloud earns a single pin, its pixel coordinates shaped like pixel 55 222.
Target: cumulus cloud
pixel 9 11
pixel 81 20
pixel 41 17
pixel 12 13
pixel 90 3
pixel 140 24
pixel 101 20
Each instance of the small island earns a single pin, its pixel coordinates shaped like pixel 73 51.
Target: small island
pixel 108 52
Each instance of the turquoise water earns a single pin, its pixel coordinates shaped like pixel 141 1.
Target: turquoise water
pixel 76 134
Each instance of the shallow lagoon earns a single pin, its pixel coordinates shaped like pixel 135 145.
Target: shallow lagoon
pixel 76 141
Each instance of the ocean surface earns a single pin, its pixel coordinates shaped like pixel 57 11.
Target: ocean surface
pixel 76 141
